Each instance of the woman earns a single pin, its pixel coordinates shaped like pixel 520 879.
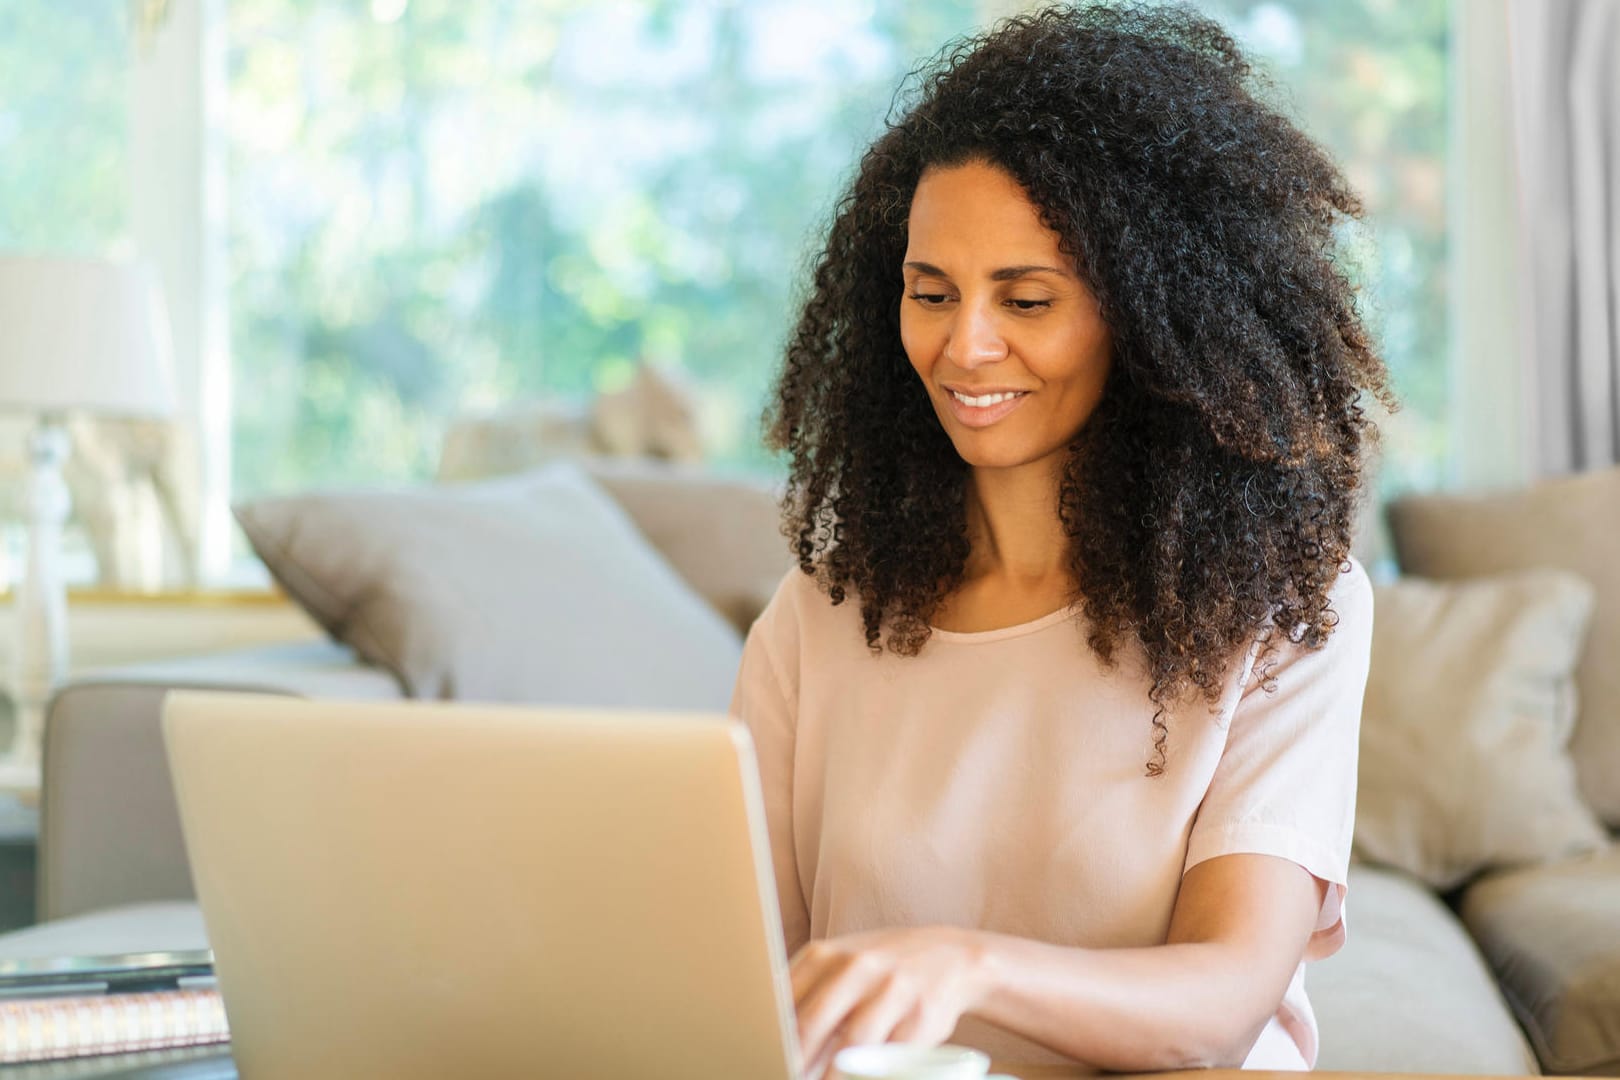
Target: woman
pixel 1057 717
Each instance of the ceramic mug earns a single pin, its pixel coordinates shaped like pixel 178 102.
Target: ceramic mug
pixel 903 1061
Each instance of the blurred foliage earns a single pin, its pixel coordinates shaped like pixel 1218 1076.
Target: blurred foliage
pixel 476 203
pixel 444 205
pixel 62 125
pixel 1369 79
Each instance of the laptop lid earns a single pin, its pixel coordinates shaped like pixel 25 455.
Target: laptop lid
pixel 412 889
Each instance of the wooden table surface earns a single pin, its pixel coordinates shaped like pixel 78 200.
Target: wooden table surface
pixel 1063 1072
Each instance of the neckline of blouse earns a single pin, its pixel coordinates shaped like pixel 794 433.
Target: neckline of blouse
pixel 981 637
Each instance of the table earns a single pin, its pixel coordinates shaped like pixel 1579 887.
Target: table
pixel 1257 1074
pixel 213 1063
pixel 1059 1072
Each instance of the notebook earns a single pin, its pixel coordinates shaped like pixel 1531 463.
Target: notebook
pixel 82 1025
pixel 55 1007
pixel 419 890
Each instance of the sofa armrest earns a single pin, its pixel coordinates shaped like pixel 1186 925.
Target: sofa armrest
pixel 109 827
pixel 1552 933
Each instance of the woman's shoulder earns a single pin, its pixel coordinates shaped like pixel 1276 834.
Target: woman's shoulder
pixel 801 610
pixel 801 596
pixel 1351 596
pixel 1350 599
pixel 1350 640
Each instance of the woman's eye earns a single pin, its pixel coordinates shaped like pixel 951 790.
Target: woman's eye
pixel 1029 305
pixel 930 299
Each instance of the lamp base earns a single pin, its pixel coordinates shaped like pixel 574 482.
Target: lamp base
pixel 20 779
pixel 42 652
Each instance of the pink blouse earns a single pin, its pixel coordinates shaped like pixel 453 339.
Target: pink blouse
pixel 997 781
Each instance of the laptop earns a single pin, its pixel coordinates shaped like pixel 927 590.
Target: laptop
pixel 417 889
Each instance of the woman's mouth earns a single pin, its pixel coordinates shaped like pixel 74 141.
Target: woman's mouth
pixel 982 410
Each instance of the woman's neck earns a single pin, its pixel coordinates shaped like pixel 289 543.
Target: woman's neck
pixel 1016 534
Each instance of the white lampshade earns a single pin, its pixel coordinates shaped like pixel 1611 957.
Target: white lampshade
pixel 83 335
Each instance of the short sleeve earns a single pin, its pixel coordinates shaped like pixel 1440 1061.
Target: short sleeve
pixel 765 700
pixel 1286 781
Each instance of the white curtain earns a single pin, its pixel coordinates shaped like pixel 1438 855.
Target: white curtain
pixel 1565 84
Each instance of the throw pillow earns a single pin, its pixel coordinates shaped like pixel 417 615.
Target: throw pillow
pixel 722 533
pixel 1571 523
pixel 530 588
pixel 1464 732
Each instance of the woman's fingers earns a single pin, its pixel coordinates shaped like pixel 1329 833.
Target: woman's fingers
pixel 874 1020
pixel 890 1002
pixel 810 966
pixel 924 1025
pixel 830 994
pixel 892 986
pixel 821 1066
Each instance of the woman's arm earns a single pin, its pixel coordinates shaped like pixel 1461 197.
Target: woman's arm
pixel 1238 931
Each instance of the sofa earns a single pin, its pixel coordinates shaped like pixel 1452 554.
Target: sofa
pixel 1514 969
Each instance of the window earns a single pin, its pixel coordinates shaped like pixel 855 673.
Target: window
pixel 445 206
pixel 63 131
pixel 441 206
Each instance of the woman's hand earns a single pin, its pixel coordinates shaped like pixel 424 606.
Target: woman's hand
pixel 907 985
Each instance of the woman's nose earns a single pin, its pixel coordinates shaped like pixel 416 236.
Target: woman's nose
pixel 975 339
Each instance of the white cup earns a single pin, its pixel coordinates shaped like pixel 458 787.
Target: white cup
pixel 905 1061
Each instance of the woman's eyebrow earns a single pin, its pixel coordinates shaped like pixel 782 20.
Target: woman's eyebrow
pixel 1006 273
pixel 1010 273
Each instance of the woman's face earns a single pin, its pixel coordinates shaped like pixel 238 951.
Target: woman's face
pixel 1007 339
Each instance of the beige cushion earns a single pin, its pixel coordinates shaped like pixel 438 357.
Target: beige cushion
pixel 1553 935
pixel 1469 705
pixel 1408 992
pixel 533 588
pixel 1572 523
pixel 721 532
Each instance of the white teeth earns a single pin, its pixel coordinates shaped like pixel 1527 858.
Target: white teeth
pixel 987 399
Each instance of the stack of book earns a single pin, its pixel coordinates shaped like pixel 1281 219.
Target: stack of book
pixel 79 1006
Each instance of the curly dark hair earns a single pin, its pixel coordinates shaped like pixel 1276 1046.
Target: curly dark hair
pixel 1210 497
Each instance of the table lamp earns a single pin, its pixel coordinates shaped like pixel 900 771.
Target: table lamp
pixel 76 336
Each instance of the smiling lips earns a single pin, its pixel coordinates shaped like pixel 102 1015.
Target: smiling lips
pixel 983 409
